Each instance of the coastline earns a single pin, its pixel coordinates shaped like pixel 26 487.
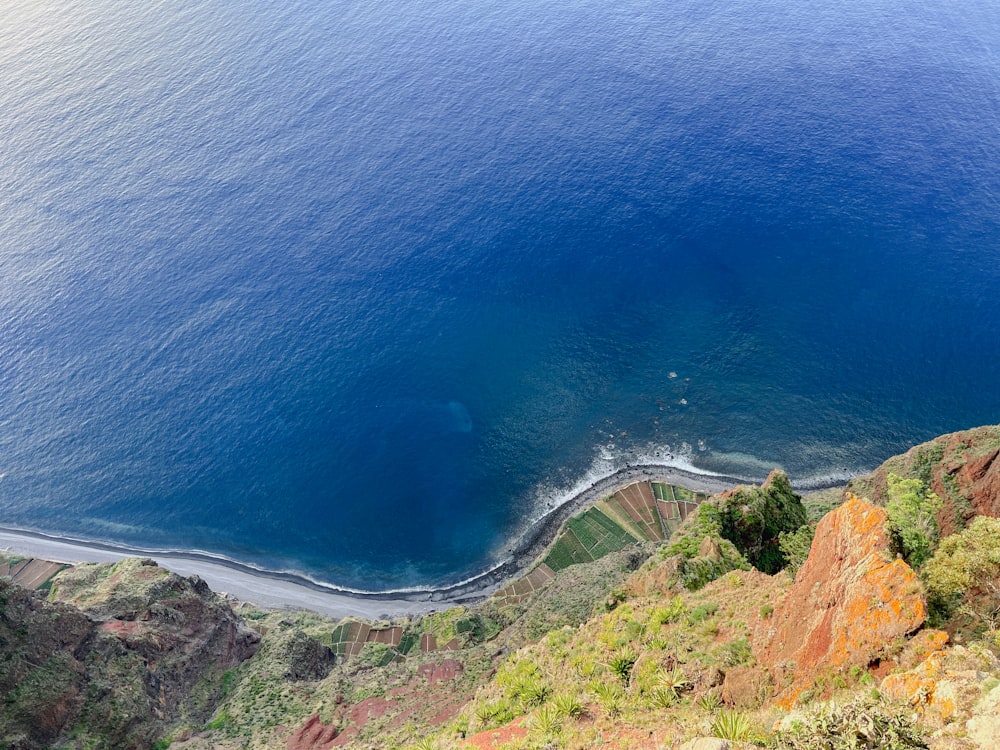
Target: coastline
pixel 289 590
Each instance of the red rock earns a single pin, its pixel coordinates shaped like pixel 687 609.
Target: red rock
pixel 313 735
pixel 925 688
pixel 448 669
pixel 968 472
pixel 850 599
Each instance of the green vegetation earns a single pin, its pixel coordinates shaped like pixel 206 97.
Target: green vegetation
pixel 697 570
pixel 744 528
pixel 628 648
pixel 912 510
pixel 587 537
pixel 865 723
pixel 795 546
pixel 733 726
pixel 752 518
pixel 963 576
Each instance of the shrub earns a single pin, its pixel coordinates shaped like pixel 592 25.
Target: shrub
pixel 733 726
pixel 666 615
pixel 568 706
pixel 495 714
pixel 522 683
pixel 544 726
pixel 621 663
pixel 912 511
pixel 674 681
pixel 964 572
pixel 610 696
pixel 698 572
pixel 795 546
pixel 863 724
pixel 701 613
pixel 710 701
pixel 736 653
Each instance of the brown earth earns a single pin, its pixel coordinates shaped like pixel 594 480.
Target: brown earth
pixel 313 735
pixel 432 696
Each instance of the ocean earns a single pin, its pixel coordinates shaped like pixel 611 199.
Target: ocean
pixel 358 289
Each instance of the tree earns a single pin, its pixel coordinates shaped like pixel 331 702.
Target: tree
pixel 912 510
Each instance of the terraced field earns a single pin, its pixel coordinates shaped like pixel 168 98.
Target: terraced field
pixel 29 573
pixel 640 512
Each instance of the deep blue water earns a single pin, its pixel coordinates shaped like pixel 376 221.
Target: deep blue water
pixel 354 287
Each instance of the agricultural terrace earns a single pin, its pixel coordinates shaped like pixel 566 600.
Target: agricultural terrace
pixel 640 512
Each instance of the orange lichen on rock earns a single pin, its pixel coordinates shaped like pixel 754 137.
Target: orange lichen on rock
pixel 849 600
pixel 925 689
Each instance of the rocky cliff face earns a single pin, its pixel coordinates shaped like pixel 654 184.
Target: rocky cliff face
pixel 962 468
pixel 117 656
pixel 118 653
pixel 849 600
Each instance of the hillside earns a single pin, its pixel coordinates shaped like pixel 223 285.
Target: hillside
pixel 868 616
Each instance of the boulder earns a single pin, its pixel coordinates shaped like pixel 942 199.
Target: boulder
pixel 947 690
pixel 925 688
pixel 746 687
pixel 984 727
pixel 850 599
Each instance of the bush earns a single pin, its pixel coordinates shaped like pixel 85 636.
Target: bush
pixel 863 724
pixel 495 714
pixel 795 546
pixel 965 572
pixel 568 706
pixel 610 696
pixel 736 653
pixel 912 511
pixel 522 683
pixel 544 726
pixel 701 613
pixel 621 663
pixel 668 614
pixel 732 725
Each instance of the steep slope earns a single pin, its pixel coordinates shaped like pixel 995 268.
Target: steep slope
pixel 115 656
pixel 962 468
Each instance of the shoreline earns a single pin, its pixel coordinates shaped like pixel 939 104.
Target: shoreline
pixel 288 590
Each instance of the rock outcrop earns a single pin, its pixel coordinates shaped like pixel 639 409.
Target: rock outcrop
pixel 313 735
pixel 119 653
pixel 962 468
pixel 849 600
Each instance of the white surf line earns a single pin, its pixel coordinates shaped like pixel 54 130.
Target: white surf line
pixel 291 590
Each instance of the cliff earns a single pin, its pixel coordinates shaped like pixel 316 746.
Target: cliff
pixel 113 656
pixel 962 468
pixel 737 631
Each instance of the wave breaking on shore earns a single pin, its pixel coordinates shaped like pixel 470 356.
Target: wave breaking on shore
pixel 291 588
